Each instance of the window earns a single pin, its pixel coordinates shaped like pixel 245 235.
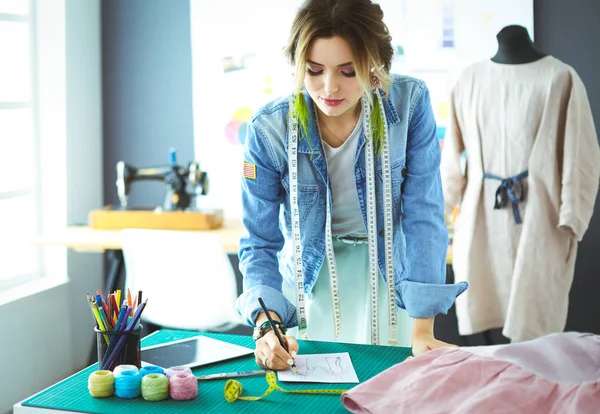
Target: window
pixel 19 195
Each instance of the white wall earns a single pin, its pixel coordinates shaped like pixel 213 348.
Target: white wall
pixel 48 335
pixel 84 159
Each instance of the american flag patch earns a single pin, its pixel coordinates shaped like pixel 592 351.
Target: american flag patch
pixel 249 170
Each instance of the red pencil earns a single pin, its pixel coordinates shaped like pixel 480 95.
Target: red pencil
pixel 105 307
pixel 115 306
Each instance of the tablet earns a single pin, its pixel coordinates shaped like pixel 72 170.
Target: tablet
pixel 192 352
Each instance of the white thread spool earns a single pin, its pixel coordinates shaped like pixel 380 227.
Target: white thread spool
pixel 120 368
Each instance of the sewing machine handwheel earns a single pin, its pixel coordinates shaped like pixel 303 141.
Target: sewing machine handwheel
pixel 205 183
pixel 198 177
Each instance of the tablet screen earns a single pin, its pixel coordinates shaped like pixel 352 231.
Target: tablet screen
pixel 192 352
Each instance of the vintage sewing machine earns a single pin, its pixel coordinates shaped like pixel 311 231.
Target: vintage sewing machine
pixel 179 210
pixel 181 183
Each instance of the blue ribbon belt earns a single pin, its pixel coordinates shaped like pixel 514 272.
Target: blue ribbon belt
pixel 506 191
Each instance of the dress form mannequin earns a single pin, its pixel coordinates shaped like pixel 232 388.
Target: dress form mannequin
pixel 515 46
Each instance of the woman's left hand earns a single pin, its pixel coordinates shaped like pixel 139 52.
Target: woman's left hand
pixel 425 341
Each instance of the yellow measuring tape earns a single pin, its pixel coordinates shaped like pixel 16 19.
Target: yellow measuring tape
pixel 233 390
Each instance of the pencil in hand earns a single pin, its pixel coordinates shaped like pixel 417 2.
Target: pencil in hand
pixel 281 341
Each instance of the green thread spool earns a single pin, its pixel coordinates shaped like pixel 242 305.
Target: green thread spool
pixel 101 384
pixel 155 387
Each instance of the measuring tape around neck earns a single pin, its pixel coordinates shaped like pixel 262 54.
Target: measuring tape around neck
pixel 388 226
pixel 371 231
pixel 371 224
pixel 233 390
pixel 296 241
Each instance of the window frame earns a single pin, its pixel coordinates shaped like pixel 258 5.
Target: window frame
pixel 32 105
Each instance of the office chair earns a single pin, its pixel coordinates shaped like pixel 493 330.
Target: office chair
pixel 185 275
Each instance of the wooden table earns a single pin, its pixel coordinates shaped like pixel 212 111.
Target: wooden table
pixel 88 239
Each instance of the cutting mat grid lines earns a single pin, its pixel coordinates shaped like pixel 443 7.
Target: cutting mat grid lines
pixel 72 394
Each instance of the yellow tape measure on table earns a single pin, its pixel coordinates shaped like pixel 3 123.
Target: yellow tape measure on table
pixel 233 390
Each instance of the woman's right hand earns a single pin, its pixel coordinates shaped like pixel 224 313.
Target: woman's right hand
pixel 270 354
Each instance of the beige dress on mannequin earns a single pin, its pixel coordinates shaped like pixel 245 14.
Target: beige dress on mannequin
pixel 509 119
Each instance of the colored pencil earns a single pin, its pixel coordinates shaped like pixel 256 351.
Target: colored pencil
pixel 118 325
pixel 115 305
pixel 108 361
pixel 99 322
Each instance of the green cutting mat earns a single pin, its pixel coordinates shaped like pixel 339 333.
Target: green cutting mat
pixel 72 394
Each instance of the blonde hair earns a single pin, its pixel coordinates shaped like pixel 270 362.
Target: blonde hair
pixel 359 23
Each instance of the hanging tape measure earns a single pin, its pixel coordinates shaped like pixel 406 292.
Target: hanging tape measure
pixel 371 224
pixel 371 232
pixel 233 390
pixel 296 242
pixel 386 166
pixel 333 279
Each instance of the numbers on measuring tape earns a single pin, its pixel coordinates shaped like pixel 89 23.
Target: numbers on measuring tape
pixel 371 224
pixel 296 241
pixel 388 232
pixel 333 278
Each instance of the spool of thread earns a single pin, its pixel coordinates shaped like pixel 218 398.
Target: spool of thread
pixel 128 384
pixel 183 386
pixel 177 370
pixel 101 384
pixel 120 368
pixel 151 369
pixel 155 387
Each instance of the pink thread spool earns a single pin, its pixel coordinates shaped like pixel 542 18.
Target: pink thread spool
pixel 183 386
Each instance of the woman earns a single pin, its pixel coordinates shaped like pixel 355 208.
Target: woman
pixel 351 161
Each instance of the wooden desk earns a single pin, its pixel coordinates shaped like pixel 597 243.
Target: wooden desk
pixel 91 240
pixel 88 239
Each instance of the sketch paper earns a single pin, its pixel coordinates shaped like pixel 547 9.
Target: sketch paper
pixel 324 368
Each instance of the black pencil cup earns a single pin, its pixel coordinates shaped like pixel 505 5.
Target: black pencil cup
pixel 122 347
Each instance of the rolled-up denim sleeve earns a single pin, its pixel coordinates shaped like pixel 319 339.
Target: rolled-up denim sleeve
pixel 424 291
pixel 262 195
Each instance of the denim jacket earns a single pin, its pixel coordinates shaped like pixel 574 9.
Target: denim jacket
pixel 420 233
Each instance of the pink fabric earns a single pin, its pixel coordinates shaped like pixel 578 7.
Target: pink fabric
pixel 559 373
